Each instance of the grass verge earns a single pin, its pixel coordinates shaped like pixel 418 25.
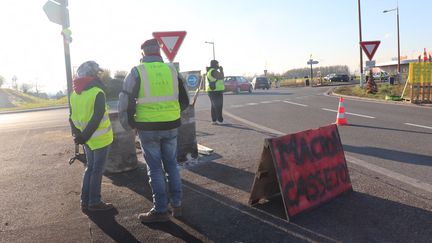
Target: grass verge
pixel 383 91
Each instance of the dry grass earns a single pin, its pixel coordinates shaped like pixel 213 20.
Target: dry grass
pixel 383 91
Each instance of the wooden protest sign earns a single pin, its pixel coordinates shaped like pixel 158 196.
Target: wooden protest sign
pixel 308 168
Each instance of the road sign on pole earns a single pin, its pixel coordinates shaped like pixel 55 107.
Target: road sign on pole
pixel 312 62
pixel 370 63
pixel 370 47
pixel 57 12
pixel 170 41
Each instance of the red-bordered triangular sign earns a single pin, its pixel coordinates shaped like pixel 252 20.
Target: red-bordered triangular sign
pixel 370 47
pixel 170 42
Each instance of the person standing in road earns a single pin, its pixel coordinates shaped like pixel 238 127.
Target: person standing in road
pixel 91 127
pixel 215 88
pixel 152 98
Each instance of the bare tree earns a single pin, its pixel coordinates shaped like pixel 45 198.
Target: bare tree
pixel 105 75
pixel 14 82
pixel 120 75
pixel 25 87
pixel 2 80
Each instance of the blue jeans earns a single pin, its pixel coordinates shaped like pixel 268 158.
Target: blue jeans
pixel 160 153
pixel 92 179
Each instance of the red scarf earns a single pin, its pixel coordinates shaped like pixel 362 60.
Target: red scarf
pixel 80 84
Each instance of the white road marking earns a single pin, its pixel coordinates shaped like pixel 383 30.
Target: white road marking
pixel 237 106
pixel 415 125
pixel 394 175
pixel 293 103
pixel 397 176
pixel 252 104
pixel 266 102
pixel 325 109
pixel 252 124
pixel 349 113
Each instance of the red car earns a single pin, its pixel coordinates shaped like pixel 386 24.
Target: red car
pixel 237 84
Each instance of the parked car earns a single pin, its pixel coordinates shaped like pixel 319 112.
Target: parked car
pixel 339 78
pixel 383 76
pixel 237 84
pixel 328 76
pixel 260 83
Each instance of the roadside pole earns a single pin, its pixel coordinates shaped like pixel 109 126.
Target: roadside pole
pixel 311 62
pixel 58 13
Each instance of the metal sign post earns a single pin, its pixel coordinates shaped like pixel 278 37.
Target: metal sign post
pixel 311 62
pixel 58 13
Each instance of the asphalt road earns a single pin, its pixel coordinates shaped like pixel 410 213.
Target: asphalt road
pixel 389 162
pixel 394 137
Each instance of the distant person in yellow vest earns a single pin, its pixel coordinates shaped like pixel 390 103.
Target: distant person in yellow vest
pixel 215 88
pixel 152 98
pixel 91 127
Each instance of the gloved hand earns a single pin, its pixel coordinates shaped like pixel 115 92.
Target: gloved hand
pixel 79 139
pixel 212 85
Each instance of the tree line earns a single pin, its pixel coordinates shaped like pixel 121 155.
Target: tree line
pixel 323 71
pixel 113 86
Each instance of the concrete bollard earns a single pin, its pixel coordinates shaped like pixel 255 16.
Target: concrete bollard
pixel 122 156
pixel 186 140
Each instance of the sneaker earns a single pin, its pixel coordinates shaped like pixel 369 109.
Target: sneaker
pixel 177 211
pixel 153 216
pixel 214 123
pixel 220 122
pixel 101 206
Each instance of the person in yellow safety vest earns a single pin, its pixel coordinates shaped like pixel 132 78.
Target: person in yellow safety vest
pixel 152 98
pixel 91 127
pixel 215 88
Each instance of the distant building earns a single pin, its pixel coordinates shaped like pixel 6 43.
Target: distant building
pixel 391 66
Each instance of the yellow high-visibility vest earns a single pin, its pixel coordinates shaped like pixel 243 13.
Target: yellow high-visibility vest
pixel 82 108
pixel 158 95
pixel 219 83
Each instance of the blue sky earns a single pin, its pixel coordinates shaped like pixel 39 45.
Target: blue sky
pixel 249 36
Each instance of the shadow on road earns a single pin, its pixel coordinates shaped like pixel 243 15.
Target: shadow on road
pixel 175 230
pixel 107 223
pixel 389 154
pixel 137 181
pixel 359 217
pixel 352 217
pixel 226 175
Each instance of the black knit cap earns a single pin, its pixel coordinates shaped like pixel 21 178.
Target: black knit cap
pixel 214 63
pixel 151 47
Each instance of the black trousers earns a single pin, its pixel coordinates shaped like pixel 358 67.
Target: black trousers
pixel 216 99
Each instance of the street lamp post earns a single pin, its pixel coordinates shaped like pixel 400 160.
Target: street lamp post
pixel 212 43
pixel 398 39
pixel 361 52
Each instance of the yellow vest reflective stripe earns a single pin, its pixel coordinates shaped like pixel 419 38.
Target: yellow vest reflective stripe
pixel 219 83
pixel 82 108
pixel 158 95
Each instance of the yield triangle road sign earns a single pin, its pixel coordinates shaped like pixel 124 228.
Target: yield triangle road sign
pixel 170 42
pixel 370 47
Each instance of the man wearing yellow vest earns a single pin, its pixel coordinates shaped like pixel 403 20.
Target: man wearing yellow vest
pixel 215 88
pixel 91 126
pixel 152 98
